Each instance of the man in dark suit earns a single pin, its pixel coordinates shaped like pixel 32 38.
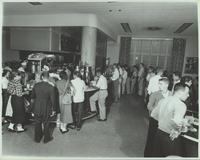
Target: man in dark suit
pixel 44 107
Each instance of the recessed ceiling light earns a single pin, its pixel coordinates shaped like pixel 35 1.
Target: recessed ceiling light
pixel 35 3
pixel 112 2
pixel 153 28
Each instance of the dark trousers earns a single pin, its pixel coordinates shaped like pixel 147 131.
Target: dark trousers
pixel 18 116
pixel 153 125
pixel 5 98
pixel 42 128
pixel 116 89
pixel 77 110
pixel 164 146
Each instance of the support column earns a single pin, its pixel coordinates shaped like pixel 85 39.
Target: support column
pixel 88 47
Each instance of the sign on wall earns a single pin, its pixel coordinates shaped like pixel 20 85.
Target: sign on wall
pixel 191 65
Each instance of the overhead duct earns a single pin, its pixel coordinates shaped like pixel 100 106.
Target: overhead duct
pixel 126 27
pixel 183 27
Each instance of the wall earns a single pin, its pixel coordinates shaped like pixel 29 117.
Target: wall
pixel 7 53
pixel 191 50
pixel 58 20
pixel 113 48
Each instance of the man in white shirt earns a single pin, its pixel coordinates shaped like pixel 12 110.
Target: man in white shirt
pixel 100 96
pixel 120 80
pixel 153 123
pixel 124 78
pixel 170 113
pixel 78 99
pixel 5 94
pixel 115 79
pixel 176 79
pixel 153 82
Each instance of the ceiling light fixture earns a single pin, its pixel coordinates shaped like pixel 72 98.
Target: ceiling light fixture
pixel 126 27
pixel 112 2
pixel 35 3
pixel 183 27
pixel 153 28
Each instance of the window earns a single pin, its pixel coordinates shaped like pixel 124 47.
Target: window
pixel 155 52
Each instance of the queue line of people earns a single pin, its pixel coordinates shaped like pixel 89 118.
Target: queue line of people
pixel 70 88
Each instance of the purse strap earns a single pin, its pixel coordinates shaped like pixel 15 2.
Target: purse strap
pixel 65 88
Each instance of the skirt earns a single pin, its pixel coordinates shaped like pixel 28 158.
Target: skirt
pixel 17 103
pixel 66 113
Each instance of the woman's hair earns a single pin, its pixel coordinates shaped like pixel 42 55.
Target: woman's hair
pixel 77 73
pixel 5 72
pixel 63 75
pixel 14 73
pixel 186 79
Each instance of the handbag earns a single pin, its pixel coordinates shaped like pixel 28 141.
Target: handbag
pixel 27 105
pixel 66 98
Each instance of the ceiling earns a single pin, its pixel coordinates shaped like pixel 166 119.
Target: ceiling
pixel 139 15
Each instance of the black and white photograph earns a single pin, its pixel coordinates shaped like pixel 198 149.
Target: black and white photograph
pixel 99 79
pixel 191 67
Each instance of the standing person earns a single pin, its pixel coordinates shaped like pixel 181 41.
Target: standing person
pixel 44 107
pixel 150 74
pixel 134 77
pixel 124 78
pixel 64 90
pixel 17 103
pixel 100 96
pixel 128 80
pixel 120 80
pixel 78 99
pixel 141 75
pixel 170 113
pixel 153 123
pixel 190 102
pixel 176 76
pixel 153 82
pixel 5 94
pixel 115 79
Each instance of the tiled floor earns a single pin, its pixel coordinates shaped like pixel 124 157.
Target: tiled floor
pixel 122 135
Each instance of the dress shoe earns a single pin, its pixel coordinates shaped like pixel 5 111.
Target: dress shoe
pixel 20 131
pixel 78 128
pixel 93 112
pixel 47 141
pixel 5 122
pixel 37 141
pixel 11 130
pixel 71 126
pixel 63 132
pixel 102 120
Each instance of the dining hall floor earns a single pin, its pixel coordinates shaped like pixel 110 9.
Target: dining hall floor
pixel 122 135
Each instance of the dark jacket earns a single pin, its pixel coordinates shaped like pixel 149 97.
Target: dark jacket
pixel 44 97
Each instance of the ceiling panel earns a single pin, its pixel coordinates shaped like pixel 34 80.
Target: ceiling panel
pixel 169 16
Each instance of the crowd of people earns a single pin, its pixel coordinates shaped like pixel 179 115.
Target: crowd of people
pixel 59 93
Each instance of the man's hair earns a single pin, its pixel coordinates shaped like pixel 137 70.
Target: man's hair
pixel 159 70
pixel 45 74
pixel 5 72
pixel 186 79
pixel 177 73
pixel 99 70
pixel 179 87
pixel 77 73
pixel 164 79
pixel 63 75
